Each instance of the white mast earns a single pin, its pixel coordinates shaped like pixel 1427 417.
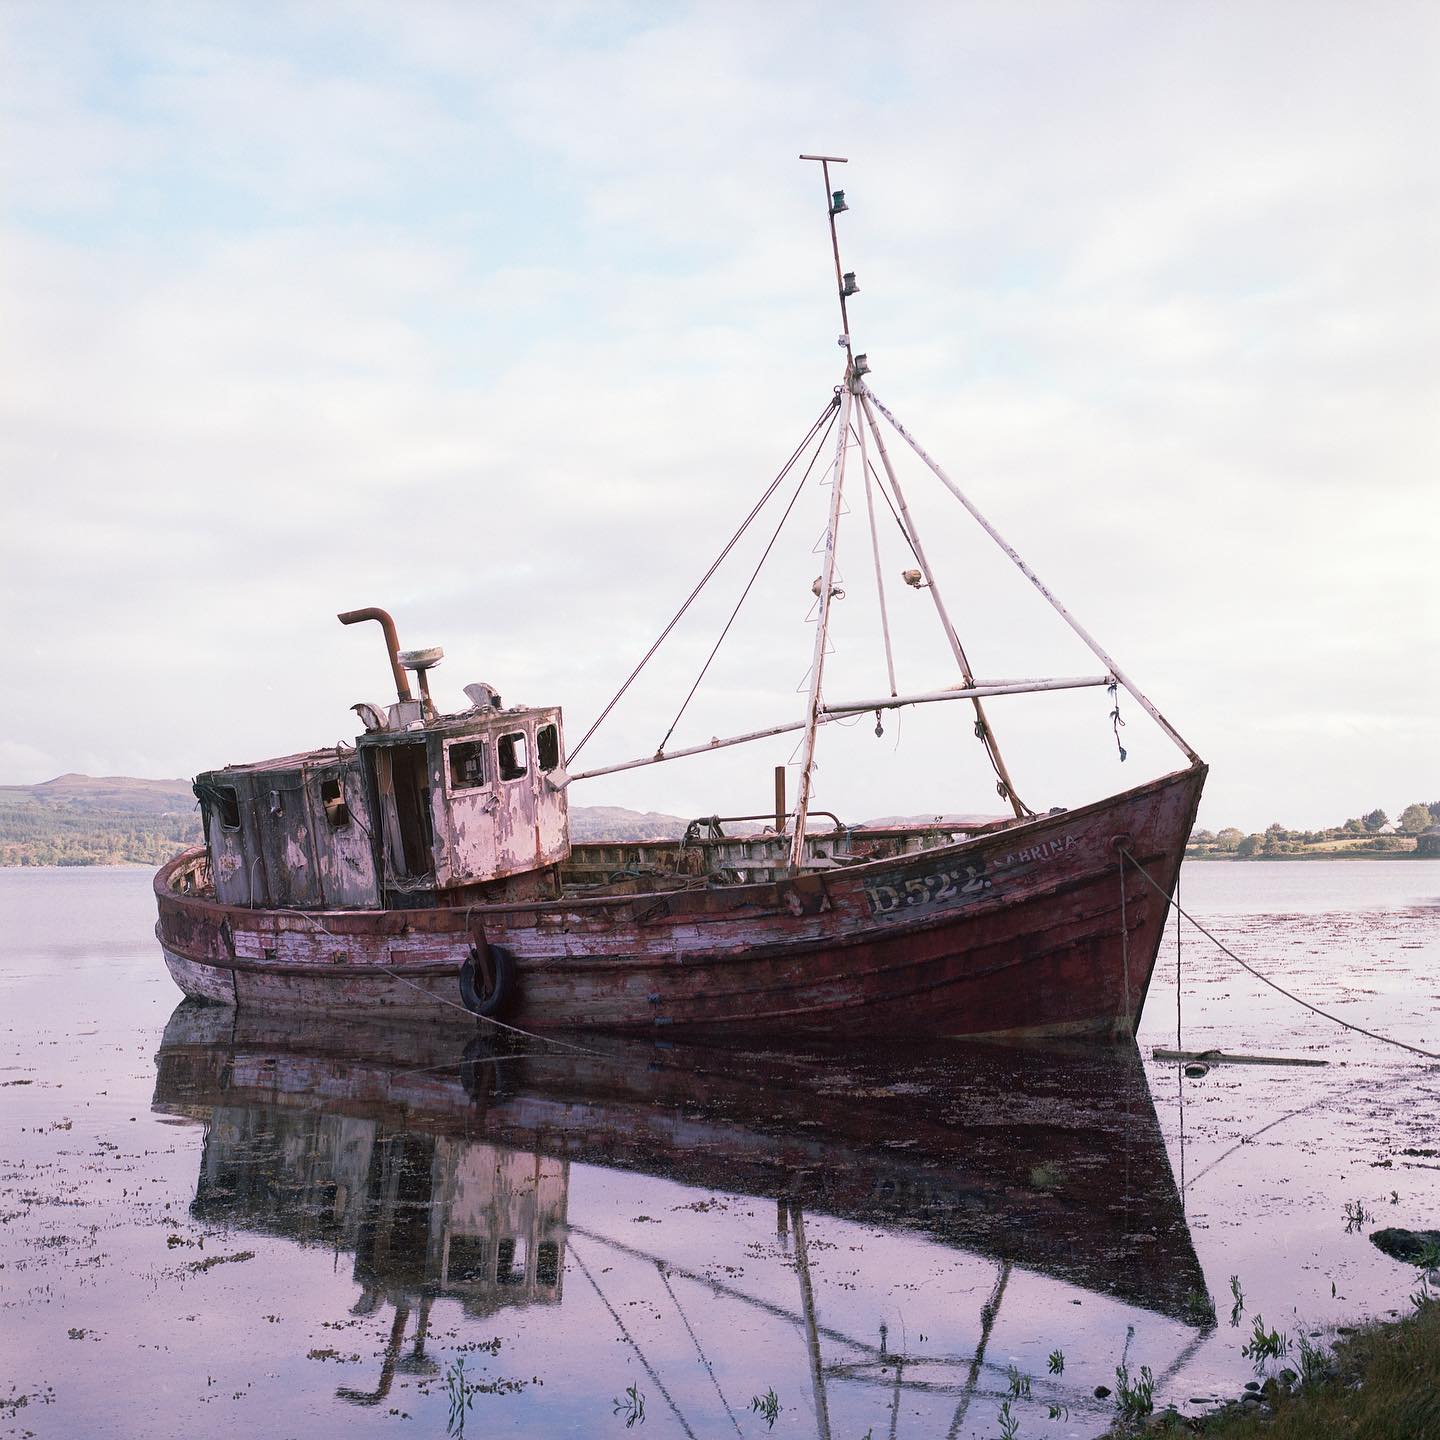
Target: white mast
pixel 822 627
pixel 834 203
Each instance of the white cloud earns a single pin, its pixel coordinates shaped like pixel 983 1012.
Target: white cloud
pixel 502 317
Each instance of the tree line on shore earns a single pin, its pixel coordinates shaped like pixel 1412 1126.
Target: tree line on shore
pixel 1372 833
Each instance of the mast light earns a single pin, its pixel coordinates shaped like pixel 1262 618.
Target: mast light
pixel 849 287
pixel 837 203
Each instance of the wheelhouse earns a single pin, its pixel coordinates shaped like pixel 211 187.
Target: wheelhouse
pixel 421 808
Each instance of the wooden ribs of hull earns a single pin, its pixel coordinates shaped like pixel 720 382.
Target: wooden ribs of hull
pixel 1018 933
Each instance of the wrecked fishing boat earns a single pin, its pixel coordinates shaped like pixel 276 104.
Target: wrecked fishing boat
pixel 428 871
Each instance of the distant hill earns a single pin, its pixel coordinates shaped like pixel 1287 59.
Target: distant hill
pixel 120 820
pixel 96 820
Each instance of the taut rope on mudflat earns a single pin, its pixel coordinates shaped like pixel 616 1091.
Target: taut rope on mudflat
pixel 1265 979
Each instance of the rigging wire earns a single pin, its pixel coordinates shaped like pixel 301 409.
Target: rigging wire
pixel 890 505
pixel 730 544
pixel 859 435
pixel 704 1359
pixel 630 1340
pixel 983 733
pixel 749 584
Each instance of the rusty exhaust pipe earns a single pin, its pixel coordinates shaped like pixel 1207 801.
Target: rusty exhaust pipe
pixel 392 643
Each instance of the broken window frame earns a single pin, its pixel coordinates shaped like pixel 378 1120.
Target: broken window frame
pixel 333 803
pixel 479 745
pixel 227 804
pixel 509 773
pixel 547 747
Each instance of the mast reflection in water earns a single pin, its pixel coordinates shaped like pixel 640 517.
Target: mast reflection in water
pixel 445 1170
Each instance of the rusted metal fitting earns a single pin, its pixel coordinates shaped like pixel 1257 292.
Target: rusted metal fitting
pixel 392 643
pixel 1122 842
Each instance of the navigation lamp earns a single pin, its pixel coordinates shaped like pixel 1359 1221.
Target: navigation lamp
pixel 849 287
pixel 837 202
pixel 862 365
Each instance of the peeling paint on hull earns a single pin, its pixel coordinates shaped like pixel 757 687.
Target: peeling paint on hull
pixel 1017 934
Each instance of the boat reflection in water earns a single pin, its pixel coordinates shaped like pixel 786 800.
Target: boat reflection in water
pixel 445 1170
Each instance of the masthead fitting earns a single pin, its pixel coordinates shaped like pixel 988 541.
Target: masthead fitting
pixel 837 203
pixel 861 365
pixel 849 285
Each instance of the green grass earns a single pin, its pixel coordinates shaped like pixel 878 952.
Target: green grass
pixel 1384 1384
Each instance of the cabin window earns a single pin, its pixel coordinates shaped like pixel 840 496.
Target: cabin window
pixel 337 812
pixel 510 1261
pixel 468 1260
pixel 227 804
pixel 467 764
pixel 547 747
pixel 514 761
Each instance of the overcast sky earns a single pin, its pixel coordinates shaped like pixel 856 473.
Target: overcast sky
pixel 501 316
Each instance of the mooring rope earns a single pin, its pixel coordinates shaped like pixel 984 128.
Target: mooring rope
pixel 489 1019
pixel 1178 1045
pixel 1125 947
pixel 455 1004
pixel 1265 979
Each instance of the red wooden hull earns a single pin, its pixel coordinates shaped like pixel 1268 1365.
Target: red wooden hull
pixel 1017 933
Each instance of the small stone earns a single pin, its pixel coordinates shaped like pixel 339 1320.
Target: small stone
pixel 1252 1385
pixel 1101 1391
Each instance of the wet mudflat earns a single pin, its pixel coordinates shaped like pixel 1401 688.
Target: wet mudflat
pixel 231 1225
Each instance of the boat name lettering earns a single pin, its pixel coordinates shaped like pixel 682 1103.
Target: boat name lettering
pixel 1043 851
pixel 955 886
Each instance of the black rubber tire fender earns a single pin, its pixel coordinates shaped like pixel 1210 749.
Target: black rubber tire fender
pixel 502 965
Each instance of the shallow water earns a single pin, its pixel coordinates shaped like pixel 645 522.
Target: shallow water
pixel 232 1226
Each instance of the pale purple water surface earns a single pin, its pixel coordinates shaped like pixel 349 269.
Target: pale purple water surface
pixel 185 1251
